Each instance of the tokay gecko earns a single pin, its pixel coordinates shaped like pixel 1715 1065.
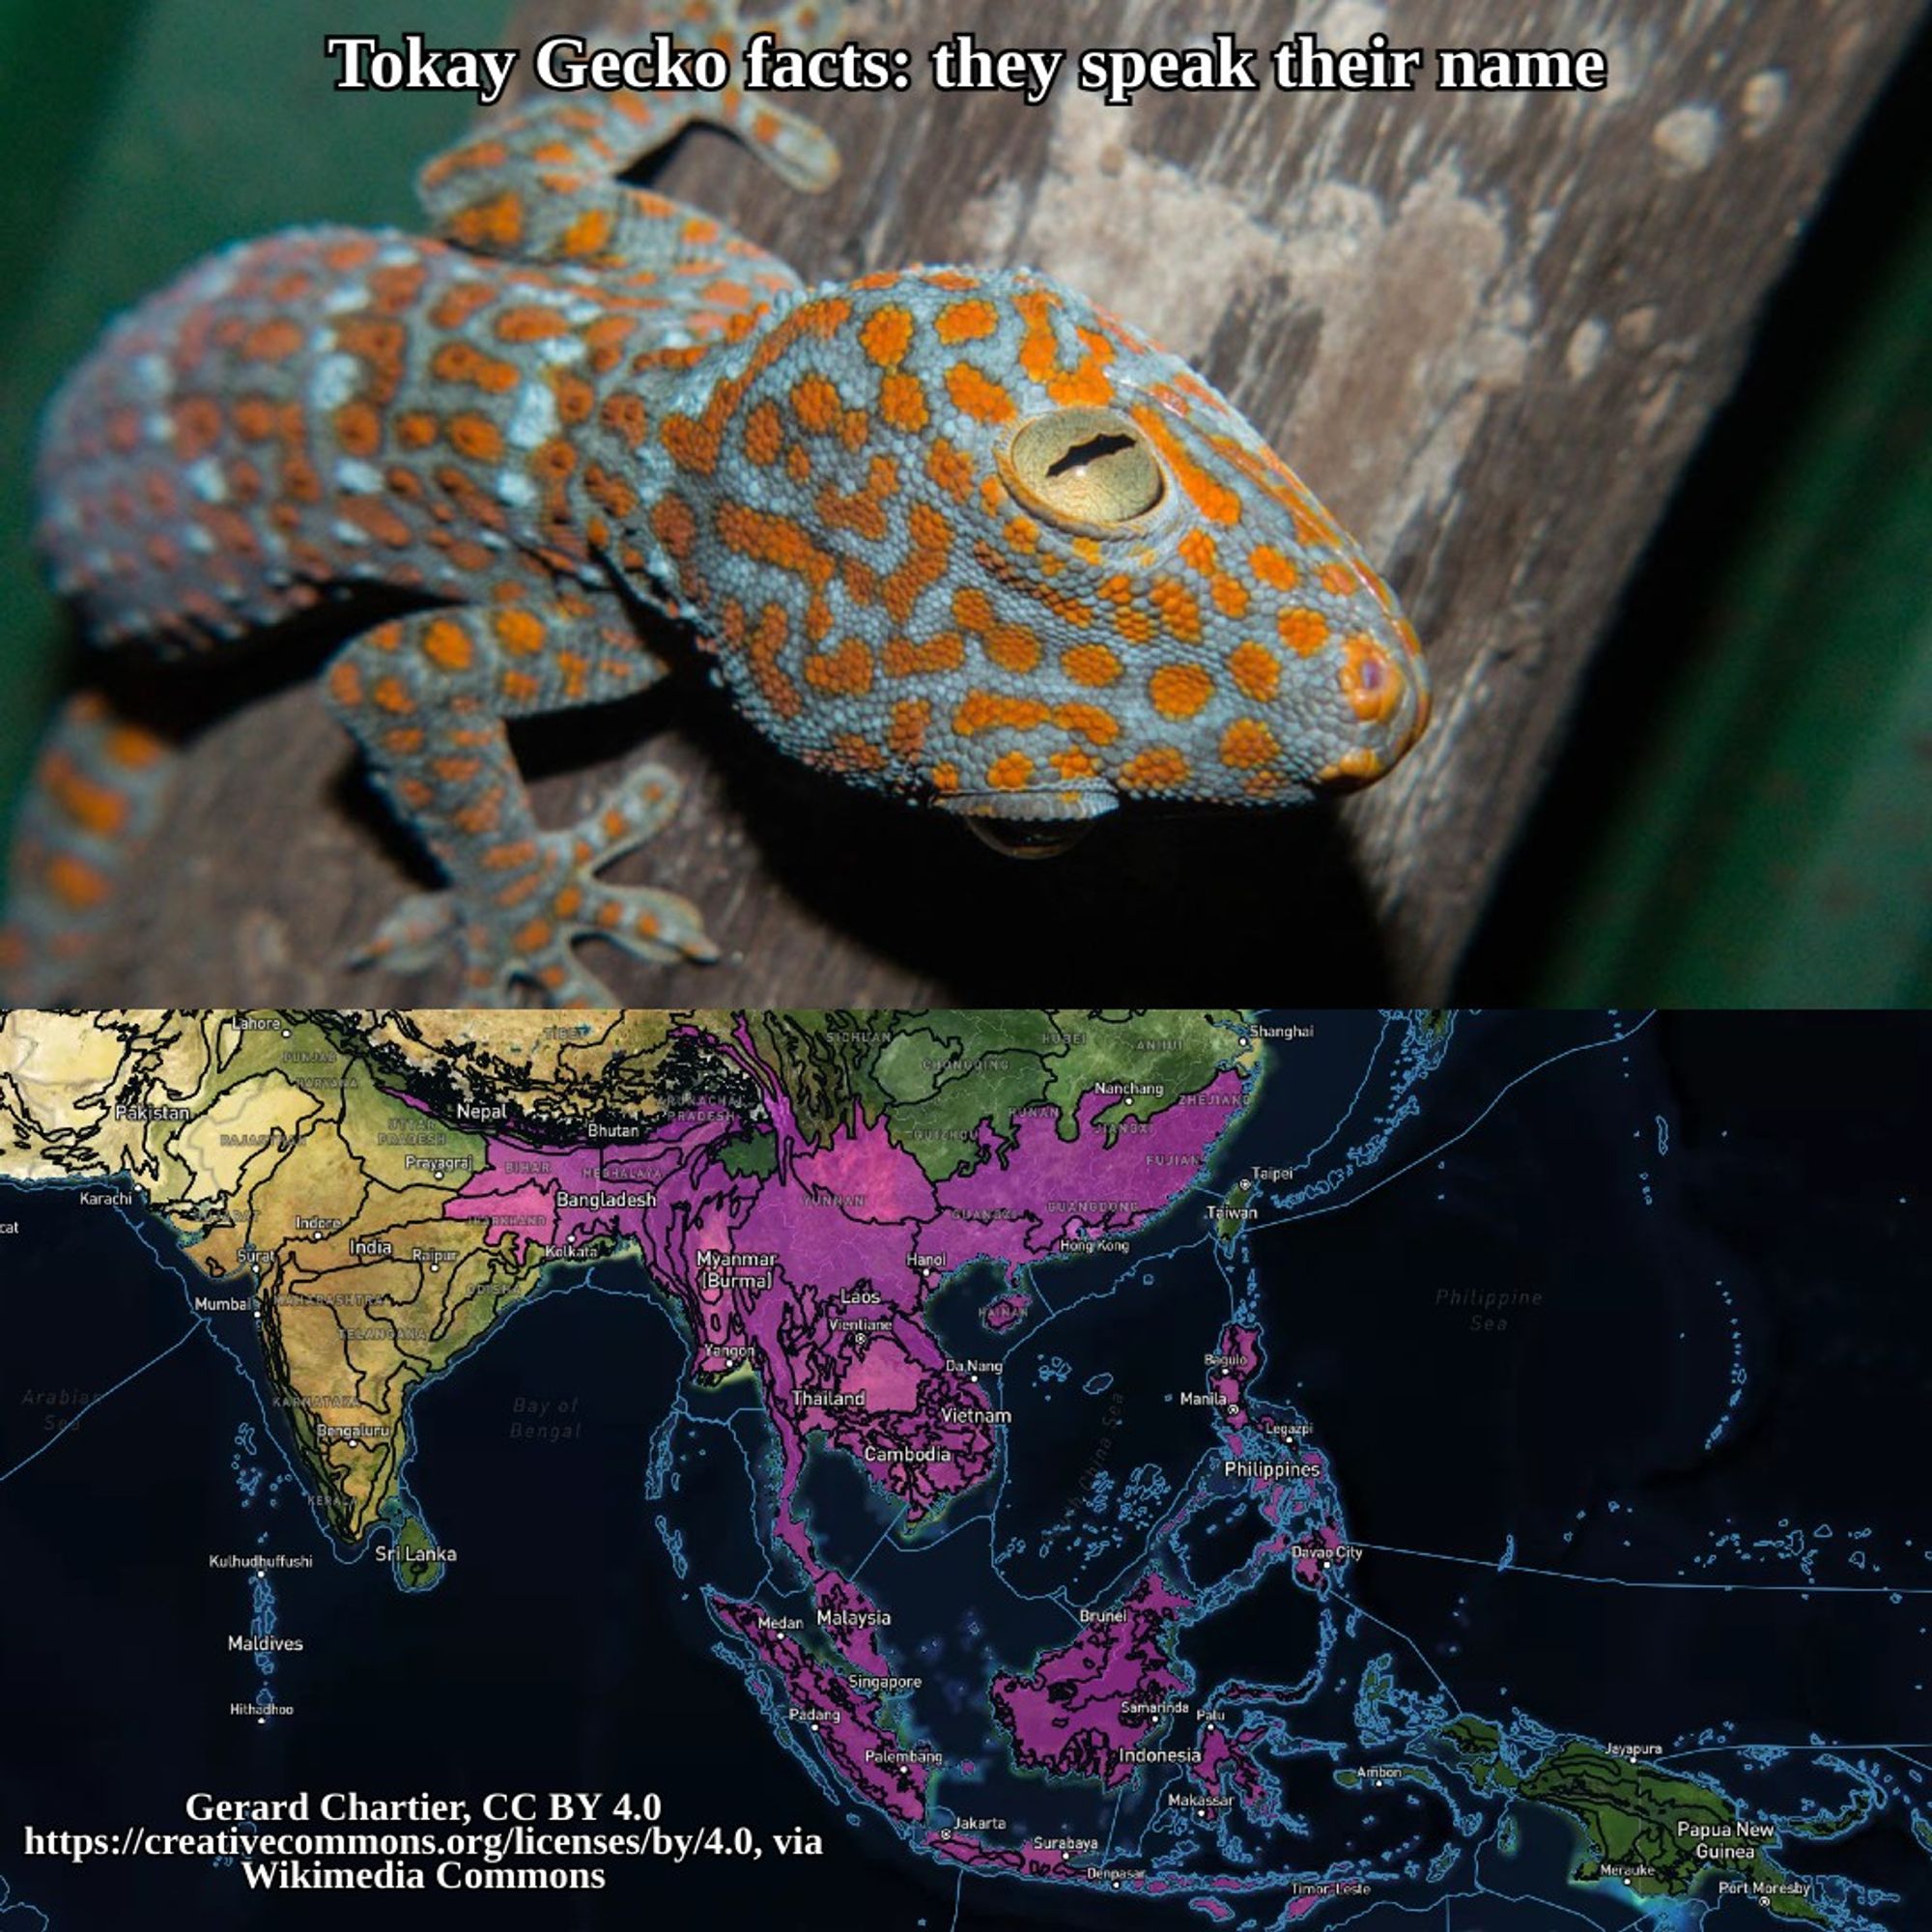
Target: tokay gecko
pixel 954 534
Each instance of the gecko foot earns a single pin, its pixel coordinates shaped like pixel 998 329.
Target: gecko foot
pixel 523 934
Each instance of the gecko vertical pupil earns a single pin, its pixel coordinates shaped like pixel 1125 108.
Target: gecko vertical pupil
pixel 1092 450
pixel 1083 466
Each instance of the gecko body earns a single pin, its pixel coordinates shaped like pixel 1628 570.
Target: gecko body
pixel 953 534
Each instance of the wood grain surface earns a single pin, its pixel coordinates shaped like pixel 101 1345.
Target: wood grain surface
pixel 1488 329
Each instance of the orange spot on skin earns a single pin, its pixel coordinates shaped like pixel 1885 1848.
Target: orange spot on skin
pixel 459 302
pixel 588 235
pixel 1247 743
pixel 851 753
pixel 1073 764
pixel 345 685
pixel 846 672
pixel 464 362
pixel 528 322
pixel 1085 382
pixel 492 227
pixel 902 402
pixel 254 418
pixel 397 287
pixel 981 710
pixel 862 510
pixel 1158 768
pixel 965 321
pixel 762 649
pixel 1012 647
pixel 1255 669
pixel 575 397
pixel 133 748
pixel 1179 689
pixel 977 396
pixel 605 338
pixel 379 519
pixel 1272 568
pixel 1313 529
pixel 624 414
pixel 764 435
pixel 1303 630
pixel 197 426
pixel 393 695
pixel 75 882
pixel 612 492
pixel 1091 665
pixel 773 539
pixel 1197 551
pixel 909 657
pixel 1174 603
pixel 553 460
pixel 1209 493
pixel 416 430
pixel 1011 771
pixel 1339 580
pixel 517 630
pixel 349 253
pixel 951 468
pixel 886 335
pixel 1092 722
pixel 905 737
pixel 447 645
pixel 1230 594
pixel 476 158
pixel 274 340
pixel 816 403
pixel 358 429
pixel 674 525
pixel 94 807
pixel 931 539
pixel 475 436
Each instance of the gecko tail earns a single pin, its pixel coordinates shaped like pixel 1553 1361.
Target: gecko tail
pixel 88 812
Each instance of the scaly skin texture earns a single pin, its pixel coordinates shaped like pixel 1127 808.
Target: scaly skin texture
pixel 955 535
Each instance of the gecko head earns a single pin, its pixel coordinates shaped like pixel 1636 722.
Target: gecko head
pixel 965 537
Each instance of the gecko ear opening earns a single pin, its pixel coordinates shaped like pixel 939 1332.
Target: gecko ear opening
pixel 1030 825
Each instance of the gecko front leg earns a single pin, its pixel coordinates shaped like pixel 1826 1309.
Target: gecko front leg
pixel 427 697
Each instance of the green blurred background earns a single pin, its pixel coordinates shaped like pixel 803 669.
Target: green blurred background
pixel 1743 813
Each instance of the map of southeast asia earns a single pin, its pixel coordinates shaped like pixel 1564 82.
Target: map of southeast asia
pixel 918 1469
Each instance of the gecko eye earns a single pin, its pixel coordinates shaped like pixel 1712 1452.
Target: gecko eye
pixel 1085 466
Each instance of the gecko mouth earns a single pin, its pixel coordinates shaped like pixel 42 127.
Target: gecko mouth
pixel 1030 824
pixel 1030 837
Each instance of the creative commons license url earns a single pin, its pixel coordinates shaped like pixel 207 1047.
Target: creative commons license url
pixel 506 1841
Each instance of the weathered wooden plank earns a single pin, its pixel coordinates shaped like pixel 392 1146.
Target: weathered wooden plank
pixel 1486 328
